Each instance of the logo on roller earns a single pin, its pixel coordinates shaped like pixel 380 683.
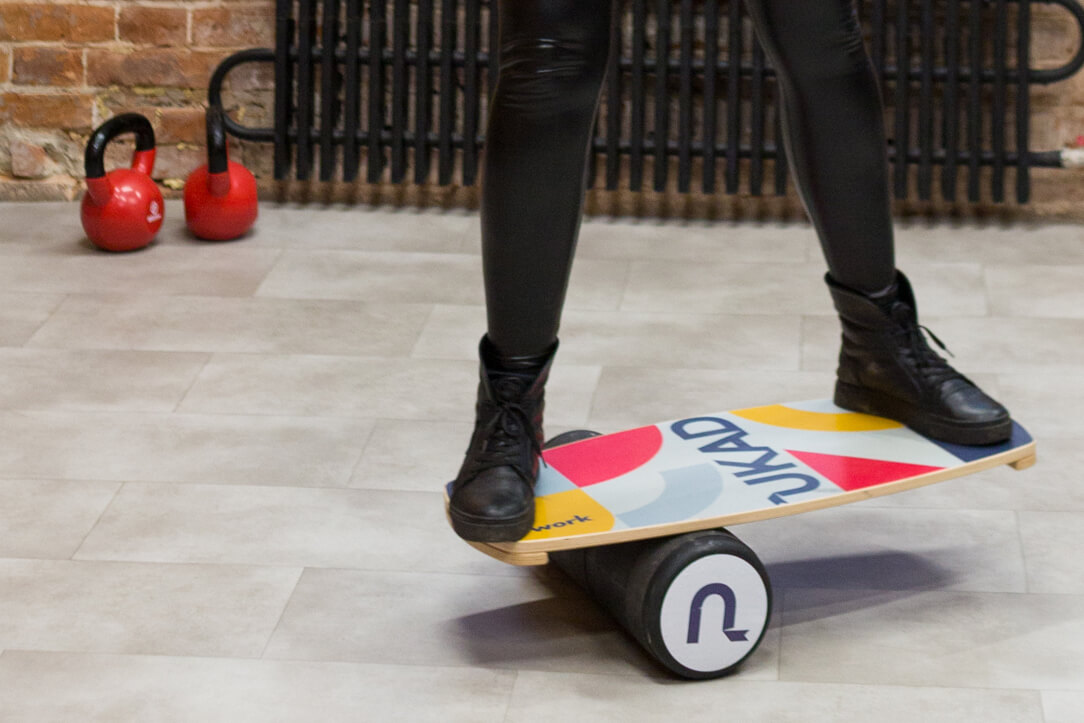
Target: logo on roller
pixel 730 601
pixel 701 622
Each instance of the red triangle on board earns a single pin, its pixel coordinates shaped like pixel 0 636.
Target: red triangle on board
pixel 855 473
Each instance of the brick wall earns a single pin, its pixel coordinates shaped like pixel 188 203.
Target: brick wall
pixel 66 66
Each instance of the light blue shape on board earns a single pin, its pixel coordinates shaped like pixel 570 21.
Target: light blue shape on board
pixel 687 492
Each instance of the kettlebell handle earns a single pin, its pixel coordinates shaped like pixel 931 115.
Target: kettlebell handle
pixel 218 160
pixel 142 159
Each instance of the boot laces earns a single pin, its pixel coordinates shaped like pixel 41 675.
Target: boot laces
pixel 503 436
pixel 927 362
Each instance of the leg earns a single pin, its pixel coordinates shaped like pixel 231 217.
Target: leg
pixel 834 132
pixel 553 58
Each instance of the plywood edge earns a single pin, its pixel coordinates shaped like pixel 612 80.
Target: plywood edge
pixel 511 557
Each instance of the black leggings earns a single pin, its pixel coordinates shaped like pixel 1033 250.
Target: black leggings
pixel 553 56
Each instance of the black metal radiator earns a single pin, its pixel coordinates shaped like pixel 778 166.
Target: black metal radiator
pixel 395 91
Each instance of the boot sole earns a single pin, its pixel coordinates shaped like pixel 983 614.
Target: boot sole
pixel 860 399
pixel 477 529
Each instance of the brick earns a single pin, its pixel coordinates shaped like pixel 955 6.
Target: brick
pixel 29 160
pixel 251 76
pixel 227 27
pixel 5 65
pixel 181 125
pixel 153 25
pixel 1053 41
pixel 71 111
pixel 257 157
pixel 56 22
pixel 177 162
pixel 47 66
pixel 59 188
pixel 1060 185
pixel 173 68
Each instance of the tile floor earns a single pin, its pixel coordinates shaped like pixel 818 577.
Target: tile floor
pixel 220 472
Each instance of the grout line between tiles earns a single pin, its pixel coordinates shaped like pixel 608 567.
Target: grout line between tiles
pixel 192 383
pixel 285 607
pixel 116 493
pixel 364 447
pixel 52 314
pixel 510 697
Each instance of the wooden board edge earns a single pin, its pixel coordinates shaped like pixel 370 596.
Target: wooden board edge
pixel 511 557
pixel 1025 462
pixel 1018 458
pixel 498 550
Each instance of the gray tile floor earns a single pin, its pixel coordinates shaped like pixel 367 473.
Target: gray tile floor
pixel 220 469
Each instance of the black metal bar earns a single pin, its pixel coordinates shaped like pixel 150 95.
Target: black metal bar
pixel 1023 91
pixel 685 97
pixel 423 79
pixel 950 113
pixel 891 72
pixel 708 101
pixel 637 104
pixel 997 118
pixel 445 156
pixel 756 131
pixel 284 86
pixel 352 81
pixel 329 88
pixel 306 35
pixel 472 30
pixel 986 157
pixel 902 136
pixel 974 99
pixel 925 102
pixel 614 100
pixel 733 95
pixel 400 82
pixel 662 93
pixel 378 25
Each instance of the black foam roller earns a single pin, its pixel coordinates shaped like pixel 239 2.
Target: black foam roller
pixel 630 581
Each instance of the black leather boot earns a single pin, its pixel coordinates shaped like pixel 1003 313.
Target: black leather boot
pixel 492 498
pixel 887 368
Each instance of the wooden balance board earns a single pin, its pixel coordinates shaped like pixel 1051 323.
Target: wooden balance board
pixel 726 468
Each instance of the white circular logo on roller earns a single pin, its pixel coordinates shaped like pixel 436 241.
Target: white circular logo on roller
pixel 713 612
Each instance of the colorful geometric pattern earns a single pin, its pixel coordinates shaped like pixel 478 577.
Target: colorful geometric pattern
pixel 744 462
pixel 855 473
pixel 781 415
pixel 602 458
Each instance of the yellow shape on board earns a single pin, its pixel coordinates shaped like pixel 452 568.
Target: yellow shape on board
pixel 778 415
pixel 568 513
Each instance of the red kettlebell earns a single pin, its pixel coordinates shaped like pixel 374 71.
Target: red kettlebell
pixel 122 210
pixel 220 201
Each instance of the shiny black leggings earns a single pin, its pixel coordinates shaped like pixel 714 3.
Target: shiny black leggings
pixel 553 55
